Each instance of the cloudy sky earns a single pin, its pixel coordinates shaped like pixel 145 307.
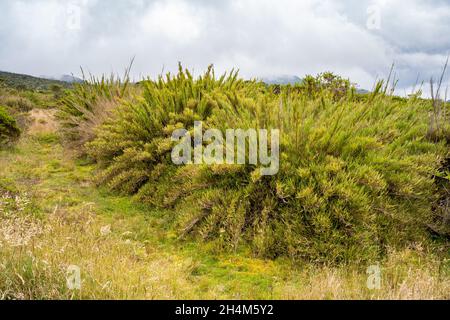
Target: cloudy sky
pixel 356 38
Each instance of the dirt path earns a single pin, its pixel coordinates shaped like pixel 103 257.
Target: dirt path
pixel 42 121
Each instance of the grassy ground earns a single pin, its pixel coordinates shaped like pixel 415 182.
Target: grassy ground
pixel 52 217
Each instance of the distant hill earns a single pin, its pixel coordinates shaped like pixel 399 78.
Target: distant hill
pixel 22 81
pixel 362 91
pixel 65 78
pixel 70 79
pixel 282 80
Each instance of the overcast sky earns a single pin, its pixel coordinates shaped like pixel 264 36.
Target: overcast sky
pixel 357 39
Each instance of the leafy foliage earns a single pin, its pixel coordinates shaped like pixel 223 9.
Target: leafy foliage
pixel 325 83
pixel 356 175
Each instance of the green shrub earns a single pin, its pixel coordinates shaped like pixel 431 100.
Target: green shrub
pixel 355 178
pixel 325 83
pixel 9 131
pixel 137 138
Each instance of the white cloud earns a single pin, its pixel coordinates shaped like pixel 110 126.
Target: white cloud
pixel 175 21
pixel 261 38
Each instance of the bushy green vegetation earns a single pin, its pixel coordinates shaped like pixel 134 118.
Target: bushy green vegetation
pixel 9 131
pixel 52 216
pixel 353 168
pixel 20 101
pixel 357 174
pixel 325 82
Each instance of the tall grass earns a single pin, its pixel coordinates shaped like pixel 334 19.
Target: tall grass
pixel 439 117
pixel 88 105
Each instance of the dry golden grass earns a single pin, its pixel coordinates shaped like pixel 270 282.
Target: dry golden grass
pixel 404 275
pixel 111 266
pixel 115 267
pixel 42 121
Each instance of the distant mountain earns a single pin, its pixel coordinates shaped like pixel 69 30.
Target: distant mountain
pixel 286 79
pixel 23 81
pixel 70 79
pixel 362 91
pixel 65 78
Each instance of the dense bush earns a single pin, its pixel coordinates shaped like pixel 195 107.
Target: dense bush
pixel 9 131
pixel 356 175
pixel 354 179
pixel 137 138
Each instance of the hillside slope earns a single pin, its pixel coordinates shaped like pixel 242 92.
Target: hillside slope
pixel 22 81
